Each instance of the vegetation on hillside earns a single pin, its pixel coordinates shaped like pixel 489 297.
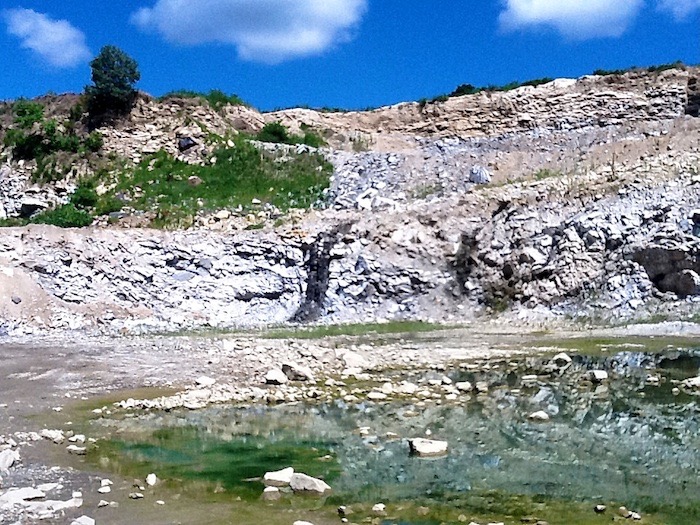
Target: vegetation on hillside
pixel 216 98
pixel 469 89
pixel 34 137
pixel 277 133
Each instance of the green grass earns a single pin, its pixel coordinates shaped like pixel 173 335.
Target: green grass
pixel 318 332
pixel 235 178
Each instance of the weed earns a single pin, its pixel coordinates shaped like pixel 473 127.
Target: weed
pixel 66 216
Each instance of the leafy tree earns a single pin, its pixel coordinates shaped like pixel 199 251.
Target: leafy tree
pixel 114 74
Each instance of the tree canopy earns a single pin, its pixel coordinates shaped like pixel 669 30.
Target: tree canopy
pixel 114 74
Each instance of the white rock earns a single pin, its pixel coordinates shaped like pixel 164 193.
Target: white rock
pixel 276 377
pixel 135 495
pixel 464 386
pixel 8 458
pixel 598 376
pixel 106 482
pixel 271 493
pixel 15 495
pixel 54 435
pixel 561 360
pixel 304 483
pixel 205 382
pixel 83 520
pixel 104 490
pixel 427 447
pixel 407 388
pixel 297 372
pixel 303 523
pixel 376 396
pixel 279 478
pixel 151 479
pixel 379 509
pixel 692 383
pixel 75 449
pixel 540 415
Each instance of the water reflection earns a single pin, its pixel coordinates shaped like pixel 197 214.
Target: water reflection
pixel 630 438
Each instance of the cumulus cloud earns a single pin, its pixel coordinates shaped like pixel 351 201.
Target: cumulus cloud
pixel 56 41
pixel 578 19
pixel 680 9
pixel 261 30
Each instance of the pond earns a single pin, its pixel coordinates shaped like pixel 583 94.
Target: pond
pixel 631 439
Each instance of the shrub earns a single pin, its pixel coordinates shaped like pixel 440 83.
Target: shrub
pixel 114 74
pixel 27 113
pixel 93 142
pixel 84 197
pixel 274 132
pixel 66 216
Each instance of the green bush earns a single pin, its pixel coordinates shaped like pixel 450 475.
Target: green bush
pixel 93 142
pixel 278 133
pixel 274 132
pixel 216 98
pixel 66 216
pixel 84 197
pixel 27 113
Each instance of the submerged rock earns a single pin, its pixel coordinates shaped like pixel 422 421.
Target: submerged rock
pixel 427 447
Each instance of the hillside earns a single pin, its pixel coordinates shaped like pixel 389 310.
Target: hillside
pixel 576 198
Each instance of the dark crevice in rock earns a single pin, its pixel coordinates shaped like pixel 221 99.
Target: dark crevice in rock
pixel 318 258
pixel 692 107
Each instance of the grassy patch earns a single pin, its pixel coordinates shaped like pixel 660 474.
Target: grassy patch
pixel 234 177
pixel 318 332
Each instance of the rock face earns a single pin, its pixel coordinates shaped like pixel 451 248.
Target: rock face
pixel 592 209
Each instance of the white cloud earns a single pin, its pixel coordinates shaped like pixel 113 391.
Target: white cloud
pixel 262 30
pixel 56 41
pixel 680 9
pixel 578 19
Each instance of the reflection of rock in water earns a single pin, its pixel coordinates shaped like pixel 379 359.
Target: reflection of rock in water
pixel 624 438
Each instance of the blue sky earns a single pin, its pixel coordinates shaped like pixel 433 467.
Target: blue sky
pixel 338 53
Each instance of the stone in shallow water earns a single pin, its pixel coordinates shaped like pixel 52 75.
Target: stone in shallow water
pixel 279 478
pixel 540 415
pixel 598 376
pixel 304 483
pixel 427 447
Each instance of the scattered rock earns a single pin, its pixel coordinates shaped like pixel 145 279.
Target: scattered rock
pixel 75 449
pixel 151 480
